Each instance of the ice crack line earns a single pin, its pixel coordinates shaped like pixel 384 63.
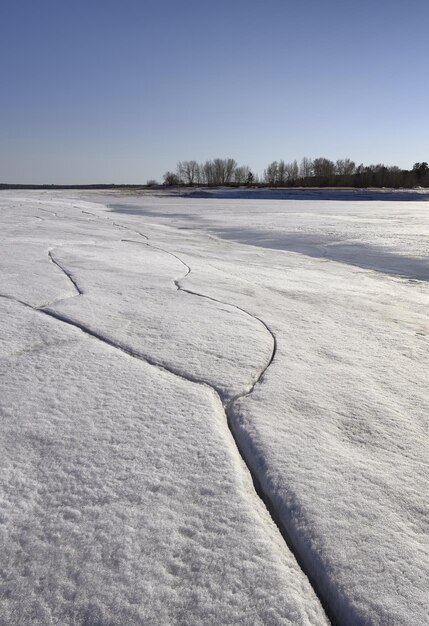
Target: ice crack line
pixel 79 292
pixel 233 306
pixel 13 299
pixel 227 406
pixel 47 211
pixel 228 411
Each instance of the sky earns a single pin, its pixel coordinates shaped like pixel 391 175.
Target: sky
pixel 119 91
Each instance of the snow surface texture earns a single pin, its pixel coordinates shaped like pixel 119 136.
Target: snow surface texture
pixel 335 430
pixel 124 499
pixel 390 237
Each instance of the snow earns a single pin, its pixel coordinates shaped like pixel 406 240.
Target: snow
pixel 126 498
pixel 130 303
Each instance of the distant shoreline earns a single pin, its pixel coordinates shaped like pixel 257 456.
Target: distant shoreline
pixel 50 187
pixel 204 188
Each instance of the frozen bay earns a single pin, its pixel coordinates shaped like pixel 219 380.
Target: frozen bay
pixel 132 328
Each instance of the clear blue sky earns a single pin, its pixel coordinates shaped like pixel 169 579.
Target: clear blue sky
pixel 119 91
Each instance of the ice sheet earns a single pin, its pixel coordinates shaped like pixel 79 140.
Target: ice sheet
pixel 336 430
pixel 124 497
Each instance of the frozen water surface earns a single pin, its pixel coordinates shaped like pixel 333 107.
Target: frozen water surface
pixel 132 328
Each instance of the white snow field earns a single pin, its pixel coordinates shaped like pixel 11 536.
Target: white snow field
pixel 145 340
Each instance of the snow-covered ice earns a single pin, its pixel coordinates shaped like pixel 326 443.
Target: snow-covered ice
pixel 125 499
pixel 126 300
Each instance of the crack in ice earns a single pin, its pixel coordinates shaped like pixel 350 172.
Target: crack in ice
pixel 227 409
pixel 225 406
pixel 79 291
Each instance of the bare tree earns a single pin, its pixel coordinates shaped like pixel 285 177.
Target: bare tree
pixel 187 171
pixel 199 174
pixel 271 173
pixel 180 170
pixel 207 172
pixel 306 167
pixel 345 167
pixel 241 174
pixel 292 170
pixel 219 171
pixel 323 167
pixel 230 165
pixel 171 179
pixel 281 173
pixel 193 172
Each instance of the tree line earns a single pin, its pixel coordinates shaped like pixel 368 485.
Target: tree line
pixel 323 172
pixel 212 173
pixel 319 172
